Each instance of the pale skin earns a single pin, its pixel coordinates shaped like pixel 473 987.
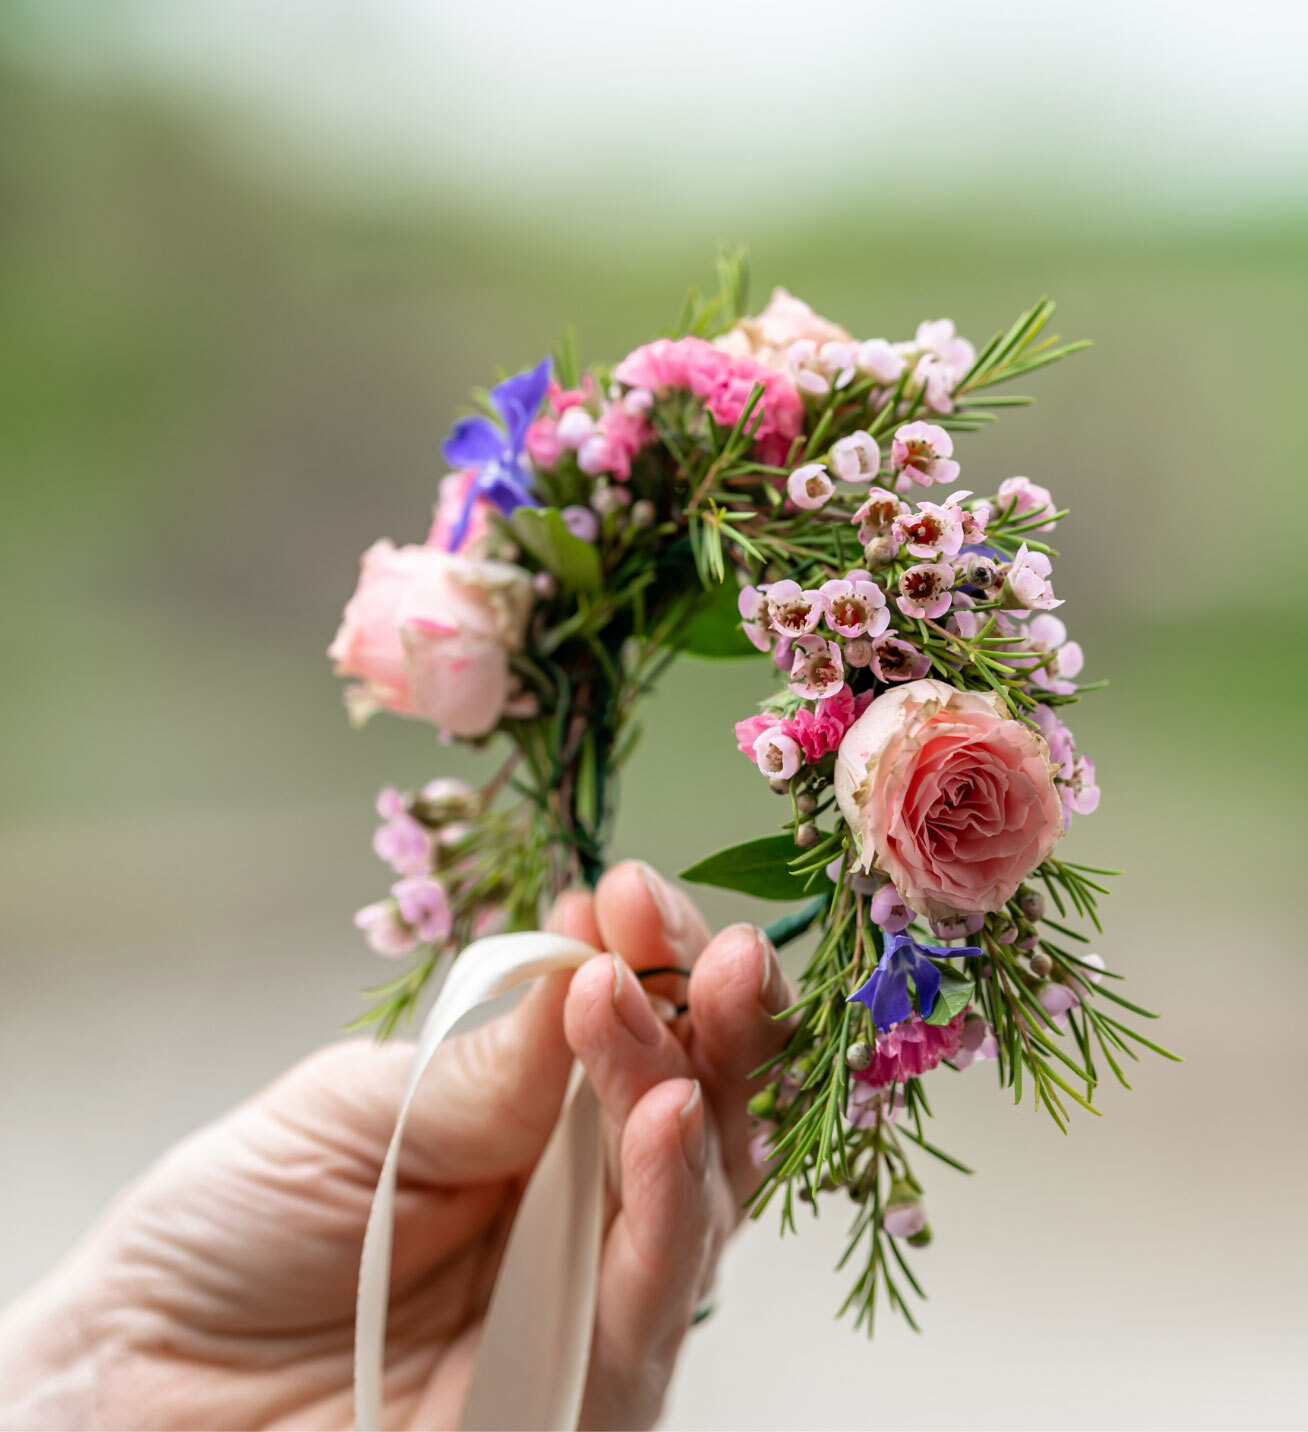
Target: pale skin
pixel 218 1291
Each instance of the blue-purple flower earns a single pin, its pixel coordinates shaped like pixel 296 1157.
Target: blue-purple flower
pixel 494 453
pixel 886 992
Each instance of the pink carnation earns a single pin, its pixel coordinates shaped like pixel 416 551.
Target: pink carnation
pixel 724 382
pixel 820 732
pixel 911 1049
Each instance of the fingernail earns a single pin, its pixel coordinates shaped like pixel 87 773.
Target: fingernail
pixel 663 1009
pixel 772 992
pixel 694 1137
pixel 672 914
pixel 632 1008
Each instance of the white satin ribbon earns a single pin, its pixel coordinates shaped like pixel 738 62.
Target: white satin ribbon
pixel 535 1341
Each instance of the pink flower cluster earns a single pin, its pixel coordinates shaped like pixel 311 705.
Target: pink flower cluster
pixel 910 1049
pixel 606 443
pixel 779 745
pixel 723 382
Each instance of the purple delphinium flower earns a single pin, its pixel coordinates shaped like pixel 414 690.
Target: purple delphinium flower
pixel 886 992
pixel 495 453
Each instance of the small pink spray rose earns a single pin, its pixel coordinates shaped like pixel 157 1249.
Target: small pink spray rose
pixel 948 796
pixel 429 634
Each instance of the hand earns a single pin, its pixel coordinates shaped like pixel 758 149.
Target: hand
pixel 219 1290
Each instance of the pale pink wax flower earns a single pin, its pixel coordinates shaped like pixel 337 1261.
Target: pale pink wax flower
pixel 1027 586
pixel 817 670
pixel 1079 792
pixel 922 453
pixel 932 531
pixel 1058 738
pixel 1094 975
pixel 894 659
pixel 975 519
pixel 753 608
pixel 561 398
pixel 1047 636
pixel 424 907
pixel 856 458
pixel 889 910
pixel 878 514
pixel 957 927
pixel 867 1104
pixel 936 380
pixel 909 1050
pixel 855 605
pixel 1056 1000
pixel 940 338
pixel 1030 498
pixel 777 754
pixel 978 1042
pixel 449 509
pixel 430 632
pixel 384 929
pixel 809 486
pixel 925 590
pixel 948 796
pixel 792 609
pixel 904 1217
pixel 785 321
pixel 783 654
pixel 821 732
pixel 581 522
pixel 963 620
pixel 403 843
pixel 881 361
pixel 724 381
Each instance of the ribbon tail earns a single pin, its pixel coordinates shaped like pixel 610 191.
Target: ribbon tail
pixel 535 1342
pixel 572 1170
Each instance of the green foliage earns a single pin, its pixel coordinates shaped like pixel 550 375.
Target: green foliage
pixel 543 532
pixel 956 992
pixel 714 631
pixel 761 868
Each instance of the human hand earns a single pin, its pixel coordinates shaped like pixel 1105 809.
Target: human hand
pixel 219 1290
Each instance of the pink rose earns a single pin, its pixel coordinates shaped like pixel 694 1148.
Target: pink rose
pixel 769 335
pixel 948 796
pixel 429 635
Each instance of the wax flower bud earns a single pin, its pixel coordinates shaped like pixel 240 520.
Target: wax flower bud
pixel 643 513
pixel 979 572
pixel 880 551
pixel 905 1214
pixel 807 836
pixel 859 1055
pixel 1041 964
pixel 809 487
pixel 1031 903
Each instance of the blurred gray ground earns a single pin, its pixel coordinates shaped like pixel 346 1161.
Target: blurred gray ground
pixel 221 394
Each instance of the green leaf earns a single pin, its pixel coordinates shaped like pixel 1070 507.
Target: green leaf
pixel 543 532
pixel 714 631
pixel 956 993
pixel 760 868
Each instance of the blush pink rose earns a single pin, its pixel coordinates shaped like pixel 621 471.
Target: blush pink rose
pixel 948 796
pixel 769 335
pixel 429 635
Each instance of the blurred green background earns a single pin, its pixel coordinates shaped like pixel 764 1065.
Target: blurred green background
pixel 251 259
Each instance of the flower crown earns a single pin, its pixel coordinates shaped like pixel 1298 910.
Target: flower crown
pixel 769 484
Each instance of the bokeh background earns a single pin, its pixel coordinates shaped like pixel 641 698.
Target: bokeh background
pixel 251 257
